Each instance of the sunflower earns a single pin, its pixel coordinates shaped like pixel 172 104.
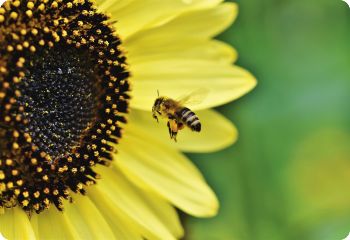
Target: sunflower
pixel 80 155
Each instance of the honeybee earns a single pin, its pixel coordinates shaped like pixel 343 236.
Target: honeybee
pixel 177 114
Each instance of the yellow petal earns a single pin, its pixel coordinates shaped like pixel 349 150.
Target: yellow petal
pixel 190 5
pixel 131 17
pixel 217 132
pixel 197 24
pixel 87 220
pixel 15 225
pixel 112 6
pixel 134 17
pixel 128 199
pixel 164 211
pixel 51 224
pixel 126 226
pixel 174 78
pixel 123 227
pixel 149 161
pixel 149 48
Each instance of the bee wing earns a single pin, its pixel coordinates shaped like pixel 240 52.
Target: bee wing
pixel 193 98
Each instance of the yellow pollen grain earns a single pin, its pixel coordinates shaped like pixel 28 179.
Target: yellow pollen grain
pixel 25 203
pixel 29 139
pixel 30 5
pixel 23 32
pixel 64 33
pixel 48 158
pixel 16 3
pixel 2 175
pixel 47 201
pixel 17 79
pixel 25 44
pixel 16 134
pixel 19 47
pixel 7 119
pixel 29 13
pixel 13 15
pixel 10 48
pixel 9 185
pixel 15 146
pixel 54 4
pixel 37 194
pixel 41 7
pixel 18 118
pixel 76 33
pixel 35 31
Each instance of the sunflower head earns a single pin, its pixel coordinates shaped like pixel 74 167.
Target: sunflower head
pixel 63 94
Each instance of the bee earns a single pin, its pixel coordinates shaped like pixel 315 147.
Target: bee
pixel 177 114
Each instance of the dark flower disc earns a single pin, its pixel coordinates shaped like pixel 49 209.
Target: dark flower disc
pixel 63 95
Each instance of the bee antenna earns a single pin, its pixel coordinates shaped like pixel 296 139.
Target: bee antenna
pixel 158 92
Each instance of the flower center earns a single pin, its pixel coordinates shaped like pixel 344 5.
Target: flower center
pixel 63 95
pixel 59 95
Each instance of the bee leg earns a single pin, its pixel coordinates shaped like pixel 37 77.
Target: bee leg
pixel 172 126
pixel 170 132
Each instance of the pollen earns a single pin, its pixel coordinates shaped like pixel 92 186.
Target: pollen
pixel 63 96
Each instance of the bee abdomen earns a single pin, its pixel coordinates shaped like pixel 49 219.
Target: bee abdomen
pixel 190 119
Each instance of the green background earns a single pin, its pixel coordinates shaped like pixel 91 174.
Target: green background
pixel 288 176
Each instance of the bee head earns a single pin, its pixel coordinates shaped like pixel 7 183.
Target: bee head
pixel 156 108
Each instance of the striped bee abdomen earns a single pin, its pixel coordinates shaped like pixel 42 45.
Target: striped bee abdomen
pixel 190 119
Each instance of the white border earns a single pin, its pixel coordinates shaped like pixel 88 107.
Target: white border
pixel 347 2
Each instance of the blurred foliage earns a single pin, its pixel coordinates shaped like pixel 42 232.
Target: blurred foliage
pixel 288 176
